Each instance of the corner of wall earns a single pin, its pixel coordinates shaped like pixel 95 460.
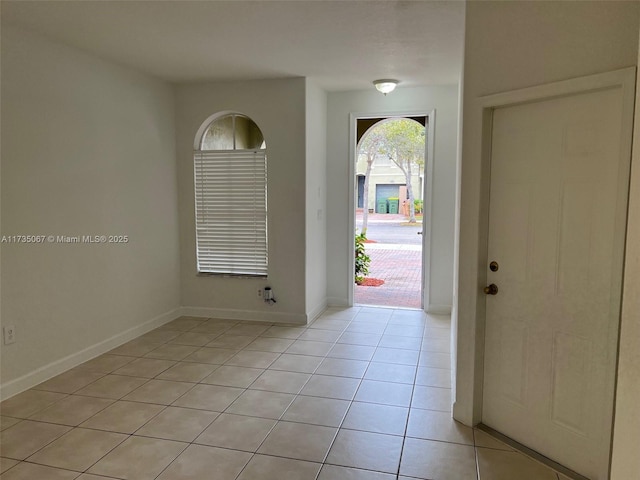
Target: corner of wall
pixel 45 372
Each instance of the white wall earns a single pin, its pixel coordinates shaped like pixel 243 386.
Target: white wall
pixel 87 149
pixel 625 463
pixel 512 45
pixel 316 191
pixel 278 108
pixel 442 99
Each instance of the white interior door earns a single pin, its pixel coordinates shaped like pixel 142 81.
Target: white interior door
pixel 558 196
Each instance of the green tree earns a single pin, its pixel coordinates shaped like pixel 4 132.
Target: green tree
pixel 404 145
pixel 369 146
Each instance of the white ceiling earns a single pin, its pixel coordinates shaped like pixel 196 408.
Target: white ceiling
pixel 343 44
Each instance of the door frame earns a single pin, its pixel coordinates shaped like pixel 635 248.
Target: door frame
pixel 470 351
pixel 427 195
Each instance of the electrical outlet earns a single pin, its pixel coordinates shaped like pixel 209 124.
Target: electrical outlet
pixel 9 333
pixel 259 293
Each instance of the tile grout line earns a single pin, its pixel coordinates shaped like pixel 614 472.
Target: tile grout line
pixel 413 389
pixel 355 393
pixel 289 406
pixel 253 454
pixel 78 426
pixel 295 396
pixel 188 444
pixel 387 323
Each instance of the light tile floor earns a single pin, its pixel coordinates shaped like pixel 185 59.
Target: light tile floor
pixel 360 394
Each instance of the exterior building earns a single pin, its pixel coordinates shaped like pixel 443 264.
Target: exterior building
pixel 387 181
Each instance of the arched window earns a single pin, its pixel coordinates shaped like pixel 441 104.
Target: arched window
pixel 230 173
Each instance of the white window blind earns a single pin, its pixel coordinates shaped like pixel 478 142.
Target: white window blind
pixel 231 211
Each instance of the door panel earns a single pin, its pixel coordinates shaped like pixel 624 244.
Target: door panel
pixel 360 187
pixel 558 192
pixel 570 381
pixel 513 361
pixel 386 190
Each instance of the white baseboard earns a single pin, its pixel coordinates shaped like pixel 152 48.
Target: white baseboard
pixel 317 311
pixel 249 315
pixel 31 379
pixel 42 374
pixel 439 309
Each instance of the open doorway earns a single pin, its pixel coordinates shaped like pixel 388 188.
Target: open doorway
pixel 390 160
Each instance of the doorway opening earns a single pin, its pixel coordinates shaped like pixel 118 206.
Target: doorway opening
pixel 390 164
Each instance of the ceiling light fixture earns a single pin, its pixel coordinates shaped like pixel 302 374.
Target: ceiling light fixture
pixel 385 85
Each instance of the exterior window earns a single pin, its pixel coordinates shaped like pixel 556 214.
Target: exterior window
pixel 230 173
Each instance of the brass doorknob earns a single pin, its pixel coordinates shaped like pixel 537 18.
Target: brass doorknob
pixel 491 289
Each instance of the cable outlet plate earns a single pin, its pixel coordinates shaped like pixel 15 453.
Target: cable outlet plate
pixel 9 334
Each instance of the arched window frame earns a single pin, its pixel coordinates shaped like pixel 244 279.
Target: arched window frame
pixel 230 190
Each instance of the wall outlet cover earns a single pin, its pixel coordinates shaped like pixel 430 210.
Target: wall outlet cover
pixel 9 334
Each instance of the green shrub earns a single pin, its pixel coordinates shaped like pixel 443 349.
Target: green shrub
pixel 417 204
pixel 362 259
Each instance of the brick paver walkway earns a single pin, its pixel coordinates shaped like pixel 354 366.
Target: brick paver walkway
pixel 400 268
